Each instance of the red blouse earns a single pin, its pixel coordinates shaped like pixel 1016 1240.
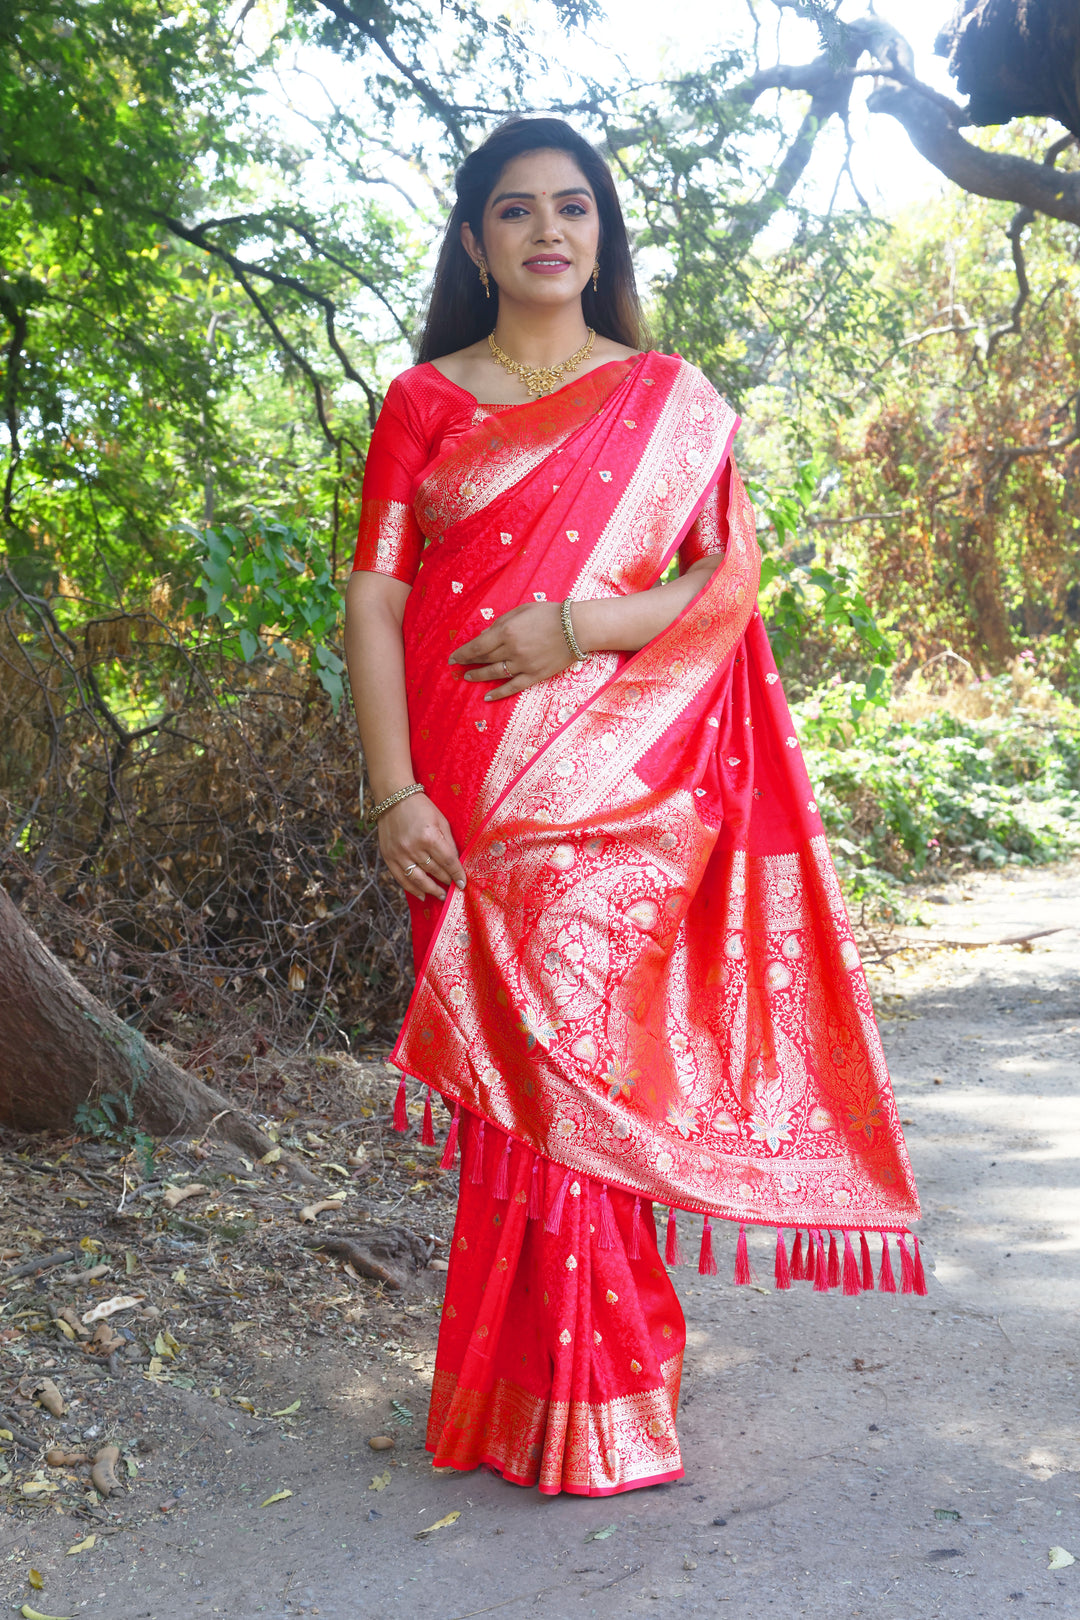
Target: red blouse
pixel 423 415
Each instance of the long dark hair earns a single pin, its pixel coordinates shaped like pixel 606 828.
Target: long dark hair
pixel 458 313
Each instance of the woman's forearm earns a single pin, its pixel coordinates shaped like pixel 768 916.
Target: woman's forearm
pixel 375 654
pixel 628 623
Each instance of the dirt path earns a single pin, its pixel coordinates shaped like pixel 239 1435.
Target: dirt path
pixel 883 1457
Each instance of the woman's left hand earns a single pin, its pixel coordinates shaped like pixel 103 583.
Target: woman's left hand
pixel 518 649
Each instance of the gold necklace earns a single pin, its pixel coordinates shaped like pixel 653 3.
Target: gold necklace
pixel 541 379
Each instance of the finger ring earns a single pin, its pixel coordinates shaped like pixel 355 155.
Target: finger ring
pixel 428 861
pixel 410 868
pixel 506 669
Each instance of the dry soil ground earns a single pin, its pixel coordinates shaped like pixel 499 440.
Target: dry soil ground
pixel 886 1457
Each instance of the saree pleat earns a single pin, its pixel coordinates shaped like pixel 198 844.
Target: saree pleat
pixel 559 1359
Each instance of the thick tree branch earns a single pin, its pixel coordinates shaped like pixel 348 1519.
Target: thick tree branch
pixel 935 135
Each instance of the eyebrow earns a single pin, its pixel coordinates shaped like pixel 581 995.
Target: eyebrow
pixel 530 196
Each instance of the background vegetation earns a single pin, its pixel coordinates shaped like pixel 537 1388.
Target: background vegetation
pixel 216 226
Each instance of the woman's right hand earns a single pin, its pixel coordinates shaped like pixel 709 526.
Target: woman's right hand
pixel 415 835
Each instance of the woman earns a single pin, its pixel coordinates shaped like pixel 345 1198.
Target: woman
pixel 635 976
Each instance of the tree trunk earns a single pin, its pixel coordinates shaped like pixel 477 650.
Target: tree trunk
pixel 60 1047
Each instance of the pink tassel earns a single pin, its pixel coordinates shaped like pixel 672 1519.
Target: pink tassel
pixel 553 1224
pixel 536 1203
pixel 633 1251
pixel 706 1263
pixel 907 1270
pixel 742 1258
pixel 851 1268
pixel 867 1265
pixel 609 1232
pixel 834 1262
pixel 920 1274
pixel 673 1255
pixel 886 1281
pixel 501 1188
pixel 401 1118
pixel 797 1272
pixel 427 1130
pixel 476 1169
pixel 447 1160
pixel 821 1267
pixel 781 1270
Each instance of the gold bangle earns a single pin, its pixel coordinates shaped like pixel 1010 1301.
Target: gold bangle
pixel 568 632
pixel 395 798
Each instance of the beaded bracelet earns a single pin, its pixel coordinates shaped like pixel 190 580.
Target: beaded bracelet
pixel 395 798
pixel 568 632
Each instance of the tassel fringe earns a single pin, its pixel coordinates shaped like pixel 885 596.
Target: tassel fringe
pixel 427 1131
pixel 536 1203
pixel 449 1151
pixel 553 1224
pixel 609 1232
pixel 781 1270
pixel 501 1189
pixel 834 1262
pixel 743 1273
pixel 401 1118
pixel 867 1265
pixel 907 1270
pixel 886 1281
pixel 821 1265
pixel 633 1251
pixel 476 1169
pixel 851 1268
pixel 920 1275
pixel 706 1262
pixel 673 1255
pixel 798 1273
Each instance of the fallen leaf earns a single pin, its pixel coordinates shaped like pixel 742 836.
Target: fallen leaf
pixel 243 1403
pixel 379 1483
pixel 1060 1558
pixel 601 1535
pixel 32 1614
pixel 109 1307
pixel 82 1546
pixel 177 1195
pixel 91 1245
pixel 278 1496
pixel 38 1487
pixel 287 1411
pixel 440 1524
pixel 272 1157
pixel 65 1327
pixel 6 1434
pixel 339 1168
pixel 37 1580
pixel 946 1513
pixel 179 1276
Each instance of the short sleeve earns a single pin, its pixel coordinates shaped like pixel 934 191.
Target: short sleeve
pixel 390 540
pixel 708 534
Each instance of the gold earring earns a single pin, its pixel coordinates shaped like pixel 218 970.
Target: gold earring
pixel 484 280
pixel 596 276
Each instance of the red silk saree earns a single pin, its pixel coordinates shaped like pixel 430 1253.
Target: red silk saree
pixel 649 989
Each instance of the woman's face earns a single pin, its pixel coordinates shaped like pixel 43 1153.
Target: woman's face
pixel 541 230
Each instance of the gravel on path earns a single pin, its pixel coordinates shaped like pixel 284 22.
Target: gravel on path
pixel 890 1457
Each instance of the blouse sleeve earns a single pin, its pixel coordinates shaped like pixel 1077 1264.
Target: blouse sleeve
pixel 390 539
pixel 708 534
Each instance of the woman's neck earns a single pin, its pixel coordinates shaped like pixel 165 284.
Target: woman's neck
pixel 540 338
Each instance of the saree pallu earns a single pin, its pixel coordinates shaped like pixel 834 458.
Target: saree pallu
pixel 649 983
